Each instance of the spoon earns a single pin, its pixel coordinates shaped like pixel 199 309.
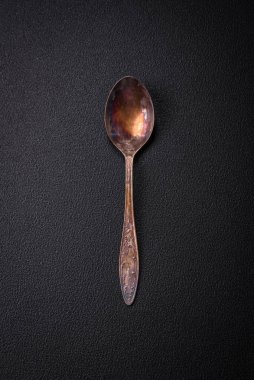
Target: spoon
pixel 129 121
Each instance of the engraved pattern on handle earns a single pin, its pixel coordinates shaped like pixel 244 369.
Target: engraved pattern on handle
pixel 128 260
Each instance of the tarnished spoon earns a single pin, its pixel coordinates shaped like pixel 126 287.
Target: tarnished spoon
pixel 129 121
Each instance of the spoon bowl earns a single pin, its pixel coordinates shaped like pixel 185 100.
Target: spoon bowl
pixel 129 121
pixel 129 115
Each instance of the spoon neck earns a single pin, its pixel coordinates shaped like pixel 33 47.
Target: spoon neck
pixel 129 160
pixel 129 185
pixel 129 171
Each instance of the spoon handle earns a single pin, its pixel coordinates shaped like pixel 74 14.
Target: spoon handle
pixel 128 260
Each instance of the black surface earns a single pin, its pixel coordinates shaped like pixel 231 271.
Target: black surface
pixel 62 184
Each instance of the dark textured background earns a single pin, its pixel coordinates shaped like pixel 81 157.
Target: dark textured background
pixel 62 191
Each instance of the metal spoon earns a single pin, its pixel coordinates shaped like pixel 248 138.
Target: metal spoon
pixel 129 121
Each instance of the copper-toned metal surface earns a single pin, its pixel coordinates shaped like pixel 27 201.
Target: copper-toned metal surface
pixel 129 121
pixel 129 115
